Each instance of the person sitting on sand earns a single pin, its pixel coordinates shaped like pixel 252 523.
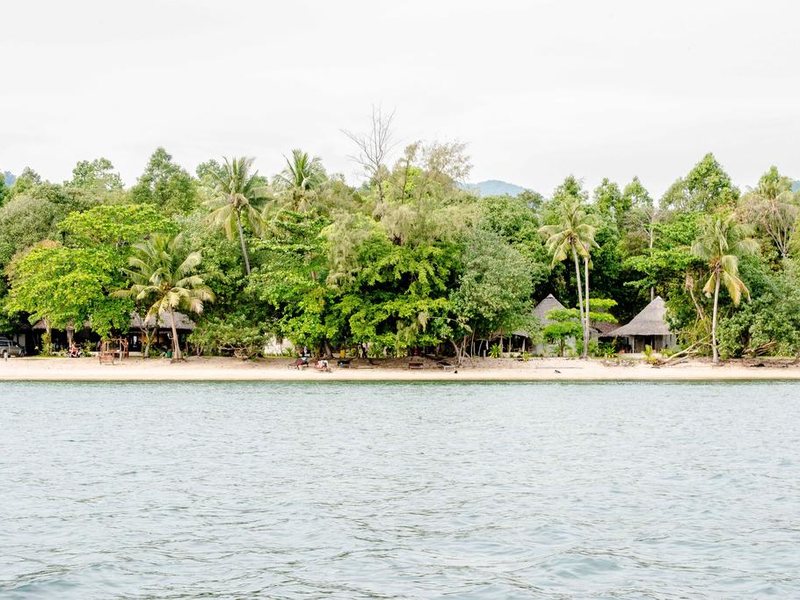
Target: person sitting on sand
pixel 322 365
pixel 74 351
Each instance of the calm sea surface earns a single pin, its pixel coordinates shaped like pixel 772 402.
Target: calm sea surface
pixel 399 491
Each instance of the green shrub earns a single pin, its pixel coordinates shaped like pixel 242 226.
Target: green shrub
pixel 230 337
pixel 603 350
pixel 649 355
pixel 47 344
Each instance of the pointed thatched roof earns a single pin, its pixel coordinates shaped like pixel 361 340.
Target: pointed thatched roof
pixel 540 312
pixel 652 320
pixel 544 307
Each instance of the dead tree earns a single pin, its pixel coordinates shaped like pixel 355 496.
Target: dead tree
pixel 374 147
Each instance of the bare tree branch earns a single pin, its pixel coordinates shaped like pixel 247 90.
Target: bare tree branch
pixel 374 146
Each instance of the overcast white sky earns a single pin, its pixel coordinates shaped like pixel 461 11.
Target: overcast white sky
pixel 538 89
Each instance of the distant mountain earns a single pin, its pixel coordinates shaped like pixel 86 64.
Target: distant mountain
pixel 495 187
pixel 796 186
pixel 9 178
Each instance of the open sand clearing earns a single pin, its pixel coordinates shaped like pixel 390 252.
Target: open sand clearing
pixel 277 369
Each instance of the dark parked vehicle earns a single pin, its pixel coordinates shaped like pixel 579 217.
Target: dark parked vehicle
pixel 9 348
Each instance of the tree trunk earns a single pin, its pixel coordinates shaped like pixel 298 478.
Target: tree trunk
pixel 580 291
pixel 714 351
pixel 70 334
pixel 652 288
pixel 586 304
pixel 457 351
pixel 176 346
pixel 244 246
pixel 47 346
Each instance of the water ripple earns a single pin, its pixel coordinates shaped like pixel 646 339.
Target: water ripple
pixel 399 491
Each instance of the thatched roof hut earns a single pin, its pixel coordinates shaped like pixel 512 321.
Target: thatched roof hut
pixel 545 306
pixel 648 328
pixel 540 312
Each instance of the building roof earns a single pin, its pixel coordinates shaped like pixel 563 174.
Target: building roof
pixel 605 329
pixel 182 322
pixel 652 320
pixel 40 326
pixel 545 306
pixel 540 312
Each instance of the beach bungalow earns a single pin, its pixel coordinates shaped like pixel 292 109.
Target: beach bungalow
pixel 161 331
pixel 161 335
pixel 521 339
pixel 648 328
pixel 540 311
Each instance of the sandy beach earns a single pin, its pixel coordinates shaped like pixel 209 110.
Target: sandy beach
pixel 277 369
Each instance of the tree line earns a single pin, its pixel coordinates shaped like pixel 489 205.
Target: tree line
pixel 411 259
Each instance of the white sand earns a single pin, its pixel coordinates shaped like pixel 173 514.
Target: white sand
pixel 229 369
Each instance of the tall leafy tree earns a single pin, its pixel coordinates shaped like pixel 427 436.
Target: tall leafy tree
pixel 25 221
pixel 65 286
pixel 116 226
pixel 26 181
pixel 774 208
pixel 518 226
pixel 721 243
pixel 494 289
pixel 707 187
pixel 233 205
pixel 166 185
pixel 611 203
pixel 98 173
pixel 163 275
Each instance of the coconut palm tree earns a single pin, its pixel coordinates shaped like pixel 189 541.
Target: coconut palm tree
pixel 720 243
pixel 236 191
pixel 302 176
pixel 573 235
pixel 162 273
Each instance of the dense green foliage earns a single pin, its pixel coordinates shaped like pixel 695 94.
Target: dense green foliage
pixel 410 261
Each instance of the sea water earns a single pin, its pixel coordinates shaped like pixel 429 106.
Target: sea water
pixel 238 490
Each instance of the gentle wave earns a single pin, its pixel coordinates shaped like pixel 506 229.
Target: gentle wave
pixel 399 490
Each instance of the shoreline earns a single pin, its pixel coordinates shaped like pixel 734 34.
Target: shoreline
pixel 484 370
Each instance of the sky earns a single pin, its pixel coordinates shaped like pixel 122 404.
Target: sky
pixel 537 89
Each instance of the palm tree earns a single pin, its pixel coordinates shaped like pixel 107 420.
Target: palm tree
pixel 720 243
pixel 303 174
pixel 236 190
pixel 162 273
pixel 573 235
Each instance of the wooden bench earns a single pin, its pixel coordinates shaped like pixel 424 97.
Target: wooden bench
pixel 416 363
